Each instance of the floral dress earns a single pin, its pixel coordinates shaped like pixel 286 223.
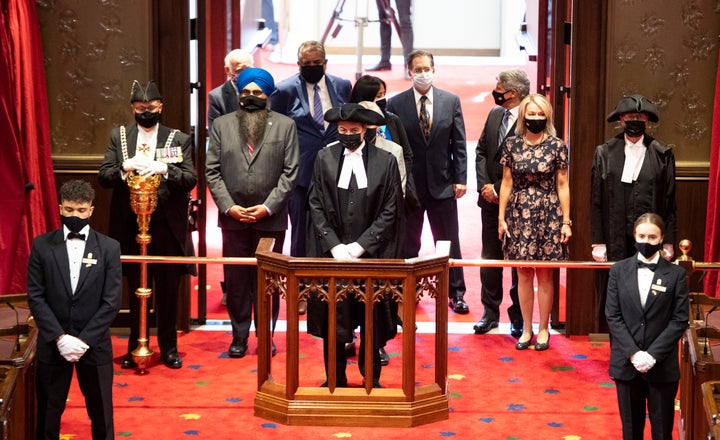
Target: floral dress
pixel 533 213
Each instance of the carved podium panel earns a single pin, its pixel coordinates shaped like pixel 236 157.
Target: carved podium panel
pixel 294 278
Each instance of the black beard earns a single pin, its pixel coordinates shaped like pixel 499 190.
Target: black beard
pixel 252 125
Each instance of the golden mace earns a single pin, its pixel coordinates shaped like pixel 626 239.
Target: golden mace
pixel 143 201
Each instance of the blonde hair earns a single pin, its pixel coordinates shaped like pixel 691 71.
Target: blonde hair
pixel 542 102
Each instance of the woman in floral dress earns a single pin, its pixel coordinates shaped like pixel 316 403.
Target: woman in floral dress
pixel 534 220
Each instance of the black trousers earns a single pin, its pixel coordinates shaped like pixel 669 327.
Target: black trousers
pixel 241 281
pixel 297 209
pixel 341 360
pixel 443 218
pixel 491 278
pixel 404 19
pixel 659 397
pixel 53 384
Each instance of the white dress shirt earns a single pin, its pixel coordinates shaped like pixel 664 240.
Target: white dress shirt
pixel 75 250
pixel 634 156
pixel 645 278
pixel 353 164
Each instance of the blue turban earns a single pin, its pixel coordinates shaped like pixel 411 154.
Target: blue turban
pixel 261 77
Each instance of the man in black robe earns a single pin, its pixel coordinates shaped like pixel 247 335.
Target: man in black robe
pixel 355 201
pixel 632 174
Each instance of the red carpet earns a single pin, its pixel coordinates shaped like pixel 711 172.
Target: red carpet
pixel 497 392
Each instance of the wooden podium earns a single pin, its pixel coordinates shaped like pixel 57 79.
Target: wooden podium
pixel 711 403
pixel 405 281
pixel 696 367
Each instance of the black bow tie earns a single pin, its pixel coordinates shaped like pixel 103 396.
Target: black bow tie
pixel 72 235
pixel 651 266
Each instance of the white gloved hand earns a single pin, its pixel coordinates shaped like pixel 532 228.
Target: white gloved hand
pixel 340 252
pixel 355 250
pixel 136 163
pixel 599 252
pixel 643 361
pixel 154 167
pixel 669 251
pixel 71 348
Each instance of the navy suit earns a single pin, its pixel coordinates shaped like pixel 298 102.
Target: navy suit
pixel 87 314
pixel 655 328
pixel 439 162
pixel 291 99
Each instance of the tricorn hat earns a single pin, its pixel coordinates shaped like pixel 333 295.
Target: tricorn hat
pixel 145 93
pixel 634 104
pixel 354 113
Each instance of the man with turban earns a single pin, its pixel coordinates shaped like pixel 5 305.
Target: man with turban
pixel 632 174
pixel 355 200
pixel 251 167
pixel 149 148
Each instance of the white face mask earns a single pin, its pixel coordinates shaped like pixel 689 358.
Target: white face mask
pixel 423 81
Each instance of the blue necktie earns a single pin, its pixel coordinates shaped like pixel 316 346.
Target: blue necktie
pixel 503 127
pixel 317 109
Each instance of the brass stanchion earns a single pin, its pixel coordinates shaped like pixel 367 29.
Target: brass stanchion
pixel 143 201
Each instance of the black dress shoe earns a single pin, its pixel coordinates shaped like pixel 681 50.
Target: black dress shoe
pixel 338 384
pixel 172 360
pixel 524 345
pixel 516 328
pixel 238 348
pixel 459 306
pixel 382 65
pixel 128 362
pixel 384 357
pixel 485 325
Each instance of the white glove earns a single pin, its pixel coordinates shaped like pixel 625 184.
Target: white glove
pixel 355 250
pixel 154 167
pixel 599 252
pixel 136 163
pixel 643 361
pixel 340 252
pixel 71 348
pixel 669 251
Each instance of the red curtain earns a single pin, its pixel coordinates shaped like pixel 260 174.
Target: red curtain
pixel 27 184
pixel 712 223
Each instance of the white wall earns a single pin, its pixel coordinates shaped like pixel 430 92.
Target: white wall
pixel 437 24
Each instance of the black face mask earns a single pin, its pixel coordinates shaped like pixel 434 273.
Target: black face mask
pixel 312 74
pixel 147 119
pixel 499 97
pixel 634 128
pixel 350 141
pixel 382 103
pixel 370 135
pixel 252 103
pixel 536 125
pixel 647 250
pixel 74 223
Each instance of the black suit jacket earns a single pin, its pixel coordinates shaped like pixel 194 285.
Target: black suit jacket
pixel 487 153
pixel 173 193
pixel 290 98
pixel 440 161
pixel 655 328
pixel 221 101
pixel 88 313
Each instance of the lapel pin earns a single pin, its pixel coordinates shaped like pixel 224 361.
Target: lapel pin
pixel 89 260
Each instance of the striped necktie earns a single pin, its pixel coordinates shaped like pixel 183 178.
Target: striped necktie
pixel 503 127
pixel 317 109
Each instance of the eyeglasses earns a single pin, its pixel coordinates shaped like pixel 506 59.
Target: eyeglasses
pixel 145 108
pixel 246 92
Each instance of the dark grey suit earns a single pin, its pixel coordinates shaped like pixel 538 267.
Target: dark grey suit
pixel 489 171
pixel 439 162
pixel 235 177
pixel 655 328
pixel 87 314
pixel 221 101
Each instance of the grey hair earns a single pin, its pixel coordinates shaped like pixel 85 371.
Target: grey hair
pixel 515 79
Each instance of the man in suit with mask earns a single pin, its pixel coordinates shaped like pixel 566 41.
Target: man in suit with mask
pixel 512 86
pixel 74 284
pixel 305 97
pixel 223 99
pixel 435 128
pixel 251 167
pixel 150 148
